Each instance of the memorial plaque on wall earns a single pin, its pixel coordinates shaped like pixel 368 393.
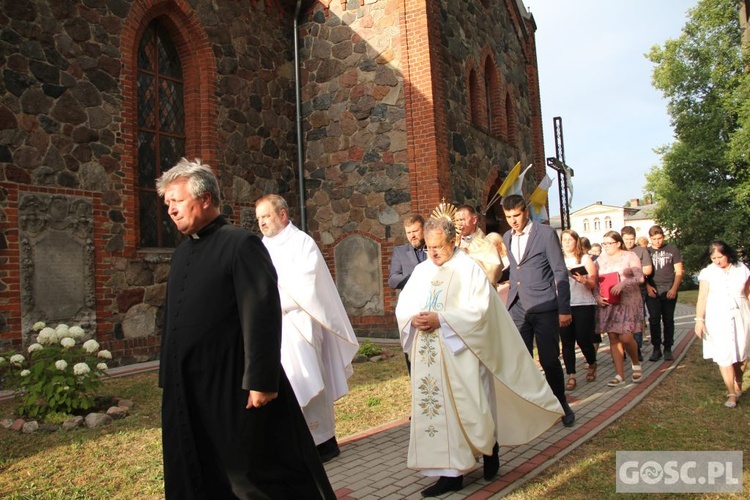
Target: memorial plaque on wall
pixel 359 278
pixel 57 261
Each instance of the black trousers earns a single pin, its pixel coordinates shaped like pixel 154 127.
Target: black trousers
pixel 661 311
pixel 544 327
pixel 580 331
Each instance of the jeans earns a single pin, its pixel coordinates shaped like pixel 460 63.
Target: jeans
pixel 661 311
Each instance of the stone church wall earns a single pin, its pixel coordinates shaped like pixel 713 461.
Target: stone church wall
pixel 66 134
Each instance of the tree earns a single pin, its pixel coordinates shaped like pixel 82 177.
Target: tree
pixel 702 184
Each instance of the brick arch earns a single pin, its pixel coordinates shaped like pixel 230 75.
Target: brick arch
pixel 200 74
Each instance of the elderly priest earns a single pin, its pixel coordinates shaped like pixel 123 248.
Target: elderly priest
pixel 473 384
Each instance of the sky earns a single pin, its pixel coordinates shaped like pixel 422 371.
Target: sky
pixel 593 73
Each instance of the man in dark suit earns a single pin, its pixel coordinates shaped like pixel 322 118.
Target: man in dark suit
pixel 539 296
pixel 406 257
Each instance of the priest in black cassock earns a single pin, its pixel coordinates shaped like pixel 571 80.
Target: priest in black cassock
pixel 231 426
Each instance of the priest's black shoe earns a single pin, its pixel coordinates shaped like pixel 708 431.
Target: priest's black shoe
pixel 328 450
pixel 491 463
pixel 444 485
pixel 569 416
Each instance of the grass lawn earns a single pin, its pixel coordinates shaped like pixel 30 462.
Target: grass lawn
pixel 123 460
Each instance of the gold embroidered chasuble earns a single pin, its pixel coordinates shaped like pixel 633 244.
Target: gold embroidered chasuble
pixel 455 416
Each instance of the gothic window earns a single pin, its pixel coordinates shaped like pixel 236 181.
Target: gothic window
pixel 494 111
pixel 474 98
pixel 161 130
pixel 597 224
pixel 510 119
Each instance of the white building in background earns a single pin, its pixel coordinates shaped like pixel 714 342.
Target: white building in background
pixel 596 219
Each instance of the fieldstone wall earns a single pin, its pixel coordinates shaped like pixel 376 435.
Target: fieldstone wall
pixel 65 117
pixel 468 32
pixel 355 137
pixel 355 126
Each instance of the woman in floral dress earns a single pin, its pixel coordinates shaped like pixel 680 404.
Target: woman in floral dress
pixel 620 320
pixel 722 316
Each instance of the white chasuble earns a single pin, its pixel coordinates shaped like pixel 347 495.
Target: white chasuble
pixel 318 342
pixel 454 415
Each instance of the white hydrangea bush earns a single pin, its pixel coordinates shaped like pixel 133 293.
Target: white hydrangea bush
pixel 59 373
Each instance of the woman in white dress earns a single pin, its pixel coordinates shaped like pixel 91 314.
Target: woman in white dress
pixel 722 316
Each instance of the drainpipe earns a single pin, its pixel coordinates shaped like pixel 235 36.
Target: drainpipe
pixel 300 146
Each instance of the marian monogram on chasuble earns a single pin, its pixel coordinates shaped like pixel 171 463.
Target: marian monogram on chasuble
pixel 431 378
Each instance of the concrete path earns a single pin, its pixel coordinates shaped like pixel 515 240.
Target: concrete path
pixel 373 465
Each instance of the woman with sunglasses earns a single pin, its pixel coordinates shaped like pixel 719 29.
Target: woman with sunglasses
pixel 621 317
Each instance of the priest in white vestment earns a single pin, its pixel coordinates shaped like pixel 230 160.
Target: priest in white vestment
pixel 473 382
pixel 318 342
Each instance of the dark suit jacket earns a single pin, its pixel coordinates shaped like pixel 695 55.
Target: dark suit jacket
pixel 403 262
pixel 540 279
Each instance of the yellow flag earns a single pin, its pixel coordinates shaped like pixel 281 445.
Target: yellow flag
pixel 508 182
pixel 539 196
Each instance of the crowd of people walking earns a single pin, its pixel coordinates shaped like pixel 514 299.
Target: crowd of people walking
pixel 257 345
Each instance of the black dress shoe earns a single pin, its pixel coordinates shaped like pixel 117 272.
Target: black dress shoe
pixel 491 463
pixel 655 354
pixel 569 416
pixel 668 354
pixel 328 450
pixel 444 485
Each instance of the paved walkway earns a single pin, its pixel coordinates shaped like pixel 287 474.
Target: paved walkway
pixel 373 465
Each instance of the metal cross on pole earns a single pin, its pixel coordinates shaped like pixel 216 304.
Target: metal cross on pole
pixel 563 172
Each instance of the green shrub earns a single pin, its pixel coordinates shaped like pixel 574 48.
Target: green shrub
pixel 57 375
pixel 369 349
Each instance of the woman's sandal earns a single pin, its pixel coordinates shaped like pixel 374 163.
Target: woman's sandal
pixel 637 373
pixel 615 381
pixel 571 384
pixel 591 374
pixel 731 404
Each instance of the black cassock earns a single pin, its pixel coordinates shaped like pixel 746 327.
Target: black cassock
pixel 222 337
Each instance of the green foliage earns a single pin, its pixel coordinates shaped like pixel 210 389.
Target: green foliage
pixel 369 349
pixel 702 184
pixel 58 375
pixel 372 402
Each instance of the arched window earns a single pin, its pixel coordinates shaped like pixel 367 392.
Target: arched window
pixel 586 225
pixel 597 224
pixel 494 111
pixel 608 222
pixel 161 130
pixel 510 120
pixel 474 98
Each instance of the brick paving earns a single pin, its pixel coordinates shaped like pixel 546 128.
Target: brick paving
pixel 372 465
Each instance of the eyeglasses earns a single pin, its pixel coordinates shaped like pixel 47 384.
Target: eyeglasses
pixel 436 249
pixel 608 243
